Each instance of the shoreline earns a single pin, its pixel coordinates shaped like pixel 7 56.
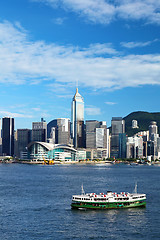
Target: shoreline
pixel 94 162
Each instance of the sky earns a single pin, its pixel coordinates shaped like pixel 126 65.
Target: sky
pixel 110 49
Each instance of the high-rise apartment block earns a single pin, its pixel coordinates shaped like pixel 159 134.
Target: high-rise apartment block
pixel 152 149
pixel 77 120
pixel 153 129
pixel 135 147
pixel 8 136
pixel 134 124
pixel 39 131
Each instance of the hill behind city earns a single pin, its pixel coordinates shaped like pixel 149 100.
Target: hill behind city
pixel 143 119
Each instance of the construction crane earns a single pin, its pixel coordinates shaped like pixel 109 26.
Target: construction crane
pixel 47 162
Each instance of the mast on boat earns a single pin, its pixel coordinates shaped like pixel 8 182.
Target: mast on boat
pixel 135 188
pixel 83 193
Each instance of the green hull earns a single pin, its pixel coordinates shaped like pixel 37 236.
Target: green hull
pixel 106 205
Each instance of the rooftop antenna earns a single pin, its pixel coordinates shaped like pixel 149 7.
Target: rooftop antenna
pixel 76 85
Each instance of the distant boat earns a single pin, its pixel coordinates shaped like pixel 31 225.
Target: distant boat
pixel 108 162
pixel 149 163
pixel 108 200
pixel 134 164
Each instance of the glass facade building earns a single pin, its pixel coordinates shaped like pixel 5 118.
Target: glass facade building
pixel 118 127
pixel 122 145
pixel 60 128
pixel 8 136
pixel 23 139
pixel 96 134
pixel 77 120
pixel 39 131
pixel 0 138
pixel 38 151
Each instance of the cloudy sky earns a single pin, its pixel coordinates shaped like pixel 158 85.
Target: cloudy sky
pixel 109 48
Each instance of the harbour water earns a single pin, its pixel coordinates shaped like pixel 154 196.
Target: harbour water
pixel 35 202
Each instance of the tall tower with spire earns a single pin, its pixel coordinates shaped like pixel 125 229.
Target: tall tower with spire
pixel 77 120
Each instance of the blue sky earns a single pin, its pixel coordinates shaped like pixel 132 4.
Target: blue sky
pixel 110 47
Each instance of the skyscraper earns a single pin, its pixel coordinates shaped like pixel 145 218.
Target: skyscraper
pixel 91 126
pixel 60 128
pixel 153 129
pixel 96 134
pixel 134 124
pixel 8 136
pixel 39 131
pixel 23 139
pixel 153 136
pixel 118 126
pixel 122 145
pixel 0 138
pixel 77 120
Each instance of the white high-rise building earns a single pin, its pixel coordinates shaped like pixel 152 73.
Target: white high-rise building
pixel 77 120
pixel 134 124
pixel 52 137
pixel 135 147
pixel 99 137
pixel 153 129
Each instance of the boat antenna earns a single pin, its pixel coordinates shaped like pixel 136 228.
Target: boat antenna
pixel 83 193
pixel 135 188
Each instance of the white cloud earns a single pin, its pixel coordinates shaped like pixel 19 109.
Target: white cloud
pixel 137 44
pixel 99 49
pixel 36 109
pixel 94 10
pixel 110 103
pixel 92 111
pixel 18 106
pixel 59 20
pixel 99 66
pixel 105 11
pixel 45 115
pixel 14 115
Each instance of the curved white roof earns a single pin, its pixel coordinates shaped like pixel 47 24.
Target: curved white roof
pixel 50 146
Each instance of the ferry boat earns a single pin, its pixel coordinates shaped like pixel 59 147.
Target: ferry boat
pixel 108 200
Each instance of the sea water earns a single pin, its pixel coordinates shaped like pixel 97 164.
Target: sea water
pixel 35 202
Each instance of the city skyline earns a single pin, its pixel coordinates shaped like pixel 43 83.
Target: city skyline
pixel 111 48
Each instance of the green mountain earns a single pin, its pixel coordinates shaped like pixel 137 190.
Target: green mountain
pixel 143 119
